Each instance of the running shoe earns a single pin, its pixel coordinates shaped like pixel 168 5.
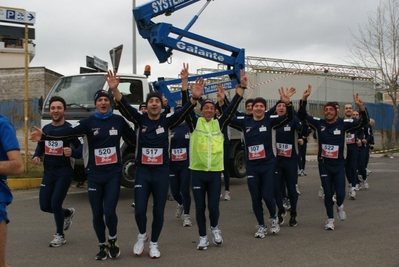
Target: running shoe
pixel 293 221
pixel 297 189
pixel 365 184
pixel 281 214
pixel 352 193
pixel 138 248
pixel 154 252
pixel 179 210
pixel 341 212
pixel 102 254
pixel 368 171
pixel 321 192
pixel 329 224
pixel 274 226
pixel 304 173
pixel 227 195
pixel 286 204
pixel 357 187
pixel 262 232
pixel 57 241
pixel 113 248
pixel 203 243
pixel 300 173
pixel 187 221
pixel 68 219
pixel 216 236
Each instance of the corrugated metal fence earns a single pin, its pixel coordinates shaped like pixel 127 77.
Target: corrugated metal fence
pixel 13 109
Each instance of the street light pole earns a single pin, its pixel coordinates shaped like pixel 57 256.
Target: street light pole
pixel 134 42
pixel 325 85
pixel 353 85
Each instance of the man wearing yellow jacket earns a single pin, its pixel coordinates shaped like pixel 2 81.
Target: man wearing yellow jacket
pixel 206 158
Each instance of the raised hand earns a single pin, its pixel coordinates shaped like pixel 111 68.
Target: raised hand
pixel 290 92
pixel 221 94
pixel 184 76
pixel 358 101
pixel 283 96
pixel 243 78
pixel 197 88
pixel 164 100
pixel 112 80
pixel 307 93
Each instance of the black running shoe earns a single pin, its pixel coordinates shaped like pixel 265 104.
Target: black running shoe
pixel 293 221
pixel 102 255
pixel 281 215
pixel 114 251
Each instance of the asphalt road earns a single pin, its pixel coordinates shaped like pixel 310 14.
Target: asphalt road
pixel 369 236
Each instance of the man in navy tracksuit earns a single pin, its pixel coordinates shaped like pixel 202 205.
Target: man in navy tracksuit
pixel 152 158
pixel 331 132
pixel 351 160
pixel 362 153
pixel 179 173
pixel 58 170
pixel 260 159
pixel 102 158
pixel 286 140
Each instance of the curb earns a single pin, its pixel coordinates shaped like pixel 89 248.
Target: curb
pixel 23 183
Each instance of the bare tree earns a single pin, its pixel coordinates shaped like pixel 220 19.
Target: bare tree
pixel 376 46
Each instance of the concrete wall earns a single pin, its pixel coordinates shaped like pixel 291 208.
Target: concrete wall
pixel 12 82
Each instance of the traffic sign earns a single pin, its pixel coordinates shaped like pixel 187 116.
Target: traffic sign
pixel 17 16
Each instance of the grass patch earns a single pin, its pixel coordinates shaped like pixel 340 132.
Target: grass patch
pixel 33 171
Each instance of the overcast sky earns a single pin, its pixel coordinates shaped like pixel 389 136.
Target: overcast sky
pixel 307 30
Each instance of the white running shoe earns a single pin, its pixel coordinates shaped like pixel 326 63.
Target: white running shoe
pixel 68 219
pixel 334 198
pixel 203 243
pixel 352 193
pixel 58 241
pixel 341 212
pixel 138 248
pixel 179 210
pixel 357 187
pixel 216 236
pixel 321 192
pixel 368 171
pixel 262 232
pixel 274 226
pixel 154 252
pixel 227 195
pixel 297 189
pixel 329 224
pixel 187 221
pixel 365 184
pixel 286 204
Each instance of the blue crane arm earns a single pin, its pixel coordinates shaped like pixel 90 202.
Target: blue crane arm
pixel 159 37
pixel 144 13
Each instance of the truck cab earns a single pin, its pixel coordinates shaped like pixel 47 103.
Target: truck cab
pixel 78 92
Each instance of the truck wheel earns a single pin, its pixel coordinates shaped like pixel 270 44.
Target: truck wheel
pixel 237 165
pixel 128 171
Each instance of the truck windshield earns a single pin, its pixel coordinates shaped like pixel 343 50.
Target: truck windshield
pixel 78 91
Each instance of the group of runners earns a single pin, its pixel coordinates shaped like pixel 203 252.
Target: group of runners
pixel 185 152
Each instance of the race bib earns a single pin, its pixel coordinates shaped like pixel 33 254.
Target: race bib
pixel 53 147
pixel 329 151
pixel 284 150
pixel 152 156
pixel 256 152
pixel 179 154
pixel 350 139
pixel 105 156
